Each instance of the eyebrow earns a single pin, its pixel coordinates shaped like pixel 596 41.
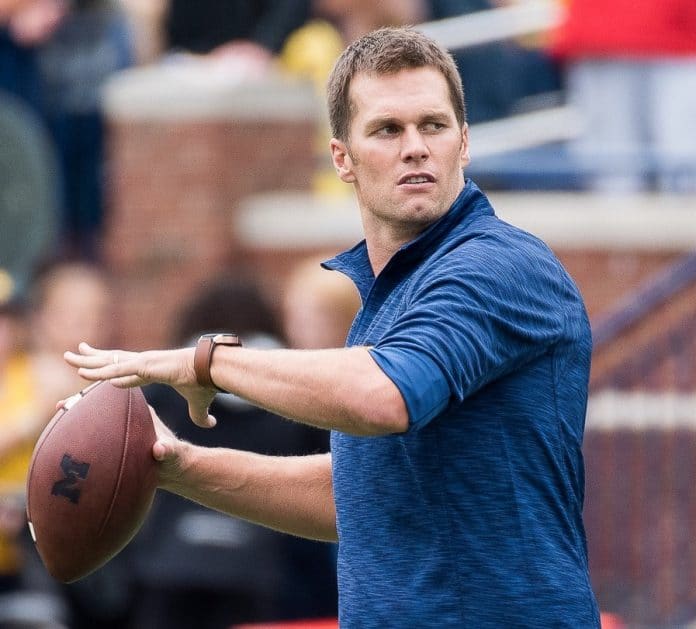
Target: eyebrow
pixel 427 116
pixel 381 121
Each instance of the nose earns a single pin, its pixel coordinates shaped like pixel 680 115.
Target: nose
pixel 413 145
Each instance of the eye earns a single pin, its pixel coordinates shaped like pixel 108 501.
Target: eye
pixel 387 130
pixel 432 126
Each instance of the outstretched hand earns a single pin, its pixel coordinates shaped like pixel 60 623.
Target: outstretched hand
pixel 133 369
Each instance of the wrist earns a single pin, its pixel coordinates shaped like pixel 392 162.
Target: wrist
pixel 203 356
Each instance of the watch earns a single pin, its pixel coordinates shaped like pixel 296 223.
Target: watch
pixel 204 355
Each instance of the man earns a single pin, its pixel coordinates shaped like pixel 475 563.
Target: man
pixel 455 480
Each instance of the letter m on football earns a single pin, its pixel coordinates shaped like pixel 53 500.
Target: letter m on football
pixel 73 472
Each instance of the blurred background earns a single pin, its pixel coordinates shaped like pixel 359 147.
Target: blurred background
pixel 161 160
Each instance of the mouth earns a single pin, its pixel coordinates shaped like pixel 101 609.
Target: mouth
pixel 416 179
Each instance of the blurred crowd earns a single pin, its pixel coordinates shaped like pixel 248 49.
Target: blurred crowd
pixel 634 87
pixel 188 566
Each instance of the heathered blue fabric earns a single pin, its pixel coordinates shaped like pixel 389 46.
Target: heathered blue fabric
pixel 473 518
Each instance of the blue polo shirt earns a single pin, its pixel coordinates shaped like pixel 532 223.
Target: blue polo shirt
pixel 472 518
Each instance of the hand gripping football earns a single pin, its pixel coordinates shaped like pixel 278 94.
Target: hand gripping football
pixel 91 480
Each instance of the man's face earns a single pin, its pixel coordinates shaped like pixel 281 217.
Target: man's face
pixel 405 151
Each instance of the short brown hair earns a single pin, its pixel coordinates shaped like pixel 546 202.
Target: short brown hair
pixel 387 51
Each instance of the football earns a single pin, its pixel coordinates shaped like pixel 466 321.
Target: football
pixel 91 480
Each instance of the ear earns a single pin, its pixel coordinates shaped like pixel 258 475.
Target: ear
pixel 342 161
pixel 465 157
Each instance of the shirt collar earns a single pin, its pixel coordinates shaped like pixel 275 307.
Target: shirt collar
pixel 469 204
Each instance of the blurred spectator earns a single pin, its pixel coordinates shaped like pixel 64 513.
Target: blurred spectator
pixel 67 300
pixel 198 568
pixel 318 305
pixel 55 55
pixel 354 18
pixel 311 50
pixel 208 24
pixel 16 440
pixel 631 71
pixel 29 177
pixel 242 36
pixel 28 185
pixel 33 22
pixel 91 43
pixel 23 25
pixel 71 300
pixel 146 23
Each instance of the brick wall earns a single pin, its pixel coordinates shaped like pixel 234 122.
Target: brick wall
pixel 639 514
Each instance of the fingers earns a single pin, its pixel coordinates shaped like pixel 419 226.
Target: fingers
pixel 91 355
pixel 127 382
pixel 88 357
pixel 92 358
pixel 161 450
pixel 120 375
pixel 86 348
pixel 168 453
pixel 199 415
pixel 117 366
pixel 164 446
pixel 90 362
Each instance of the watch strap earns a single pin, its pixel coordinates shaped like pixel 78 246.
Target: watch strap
pixel 203 356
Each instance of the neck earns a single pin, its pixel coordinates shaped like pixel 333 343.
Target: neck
pixel 383 243
pixel 385 236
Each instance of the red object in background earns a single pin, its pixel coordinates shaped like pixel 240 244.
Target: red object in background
pixel 626 28
pixel 611 621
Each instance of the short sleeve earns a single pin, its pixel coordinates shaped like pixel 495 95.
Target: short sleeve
pixel 477 314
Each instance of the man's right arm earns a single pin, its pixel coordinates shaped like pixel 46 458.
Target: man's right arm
pixel 290 494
